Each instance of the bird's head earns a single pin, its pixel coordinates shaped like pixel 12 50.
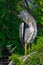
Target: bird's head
pixel 23 15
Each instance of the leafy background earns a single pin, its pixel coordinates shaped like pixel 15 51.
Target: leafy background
pixel 9 30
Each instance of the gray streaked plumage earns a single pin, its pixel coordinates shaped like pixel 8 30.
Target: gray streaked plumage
pixel 30 27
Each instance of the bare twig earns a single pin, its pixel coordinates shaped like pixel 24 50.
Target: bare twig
pixel 27 56
pixel 13 49
pixel 11 63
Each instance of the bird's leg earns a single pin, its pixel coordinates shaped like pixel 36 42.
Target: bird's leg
pixel 28 48
pixel 25 49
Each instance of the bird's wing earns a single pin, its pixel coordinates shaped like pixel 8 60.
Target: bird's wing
pixel 35 30
pixel 28 35
pixel 21 32
pixel 32 20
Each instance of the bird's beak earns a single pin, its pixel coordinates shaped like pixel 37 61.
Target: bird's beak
pixel 25 20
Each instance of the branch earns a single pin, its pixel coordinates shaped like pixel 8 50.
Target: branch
pixel 26 57
pixel 13 49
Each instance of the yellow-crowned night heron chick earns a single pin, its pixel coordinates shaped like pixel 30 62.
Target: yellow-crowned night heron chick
pixel 28 28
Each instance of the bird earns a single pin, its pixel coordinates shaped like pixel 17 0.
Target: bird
pixel 27 29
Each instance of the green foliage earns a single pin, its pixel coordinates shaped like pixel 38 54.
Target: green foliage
pixel 38 11
pixel 9 23
pixel 36 59
pixel 16 60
